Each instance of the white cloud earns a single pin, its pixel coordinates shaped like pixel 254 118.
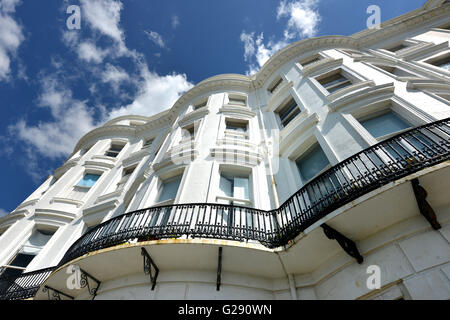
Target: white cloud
pixel 156 38
pixel 115 76
pixel 157 93
pixel 303 20
pixel 71 119
pixel 11 36
pixel 175 21
pixel 256 53
pixel 104 16
pixel 89 52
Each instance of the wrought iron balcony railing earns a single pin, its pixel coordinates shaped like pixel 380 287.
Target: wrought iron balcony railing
pixel 23 286
pixel 389 160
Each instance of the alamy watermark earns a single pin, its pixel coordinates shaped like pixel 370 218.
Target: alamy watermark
pixel 374 20
pixel 73 22
pixel 374 280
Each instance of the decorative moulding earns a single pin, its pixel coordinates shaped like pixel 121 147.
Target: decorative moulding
pixel 53 217
pixel 101 207
pixel 235 110
pixel 377 60
pixel 321 65
pixel 64 168
pixel 135 157
pixel 103 165
pixel 28 203
pixel 233 155
pixel 111 195
pixel 182 158
pixel 279 94
pixel 193 116
pixel 418 84
pixel 12 217
pixel 429 49
pixel 290 133
pixel 76 203
pixel 383 89
pixel 353 89
pixel 101 132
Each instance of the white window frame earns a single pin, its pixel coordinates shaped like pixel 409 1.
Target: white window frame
pixel 275 85
pixel 233 134
pixel 351 75
pixel 405 112
pixel 234 170
pixel 283 105
pixel 237 96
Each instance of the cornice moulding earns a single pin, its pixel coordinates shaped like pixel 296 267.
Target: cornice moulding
pixel 384 89
pixel 193 116
pixel 354 89
pixel 428 84
pixel 321 65
pixel 288 136
pixel 233 110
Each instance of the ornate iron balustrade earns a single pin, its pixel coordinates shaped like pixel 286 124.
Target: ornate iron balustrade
pixel 389 160
pixel 23 286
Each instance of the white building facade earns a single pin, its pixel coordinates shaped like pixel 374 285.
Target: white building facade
pixel 292 183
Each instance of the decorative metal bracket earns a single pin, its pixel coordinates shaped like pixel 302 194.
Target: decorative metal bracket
pixel 219 269
pixel 348 245
pixel 424 207
pixel 54 294
pixel 148 264
pixel 84 282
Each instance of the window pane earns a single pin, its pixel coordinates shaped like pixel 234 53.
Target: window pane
pixel 241 188
pixel 36 242
pixel 88 180
pixel 312 163
pixel 169 189
pixel 22 260
pixel 226 186
pixel 384 124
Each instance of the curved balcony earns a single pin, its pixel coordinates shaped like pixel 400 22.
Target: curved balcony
pixel 23 286
pixel 387 161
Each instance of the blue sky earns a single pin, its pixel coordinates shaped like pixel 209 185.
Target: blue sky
pixel 133 57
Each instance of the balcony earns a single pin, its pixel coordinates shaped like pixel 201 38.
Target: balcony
pixel 387 161
pixel 391 160
pixel 24 286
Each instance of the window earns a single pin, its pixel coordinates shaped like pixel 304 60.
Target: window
pixel 125 176
pixel 88 180
pixel 26 254
pixel 114 150
pixel 384 124
pixel 311 163
pixel 240 101
pixel 236 128
pixel 442 62
pixel 397 47
pixel 288 112
pixel 334 82
pixel 234 189
pixel 168 189
pixel 147 143
pixel 188 133
pixel 275 85
pixel 395 71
